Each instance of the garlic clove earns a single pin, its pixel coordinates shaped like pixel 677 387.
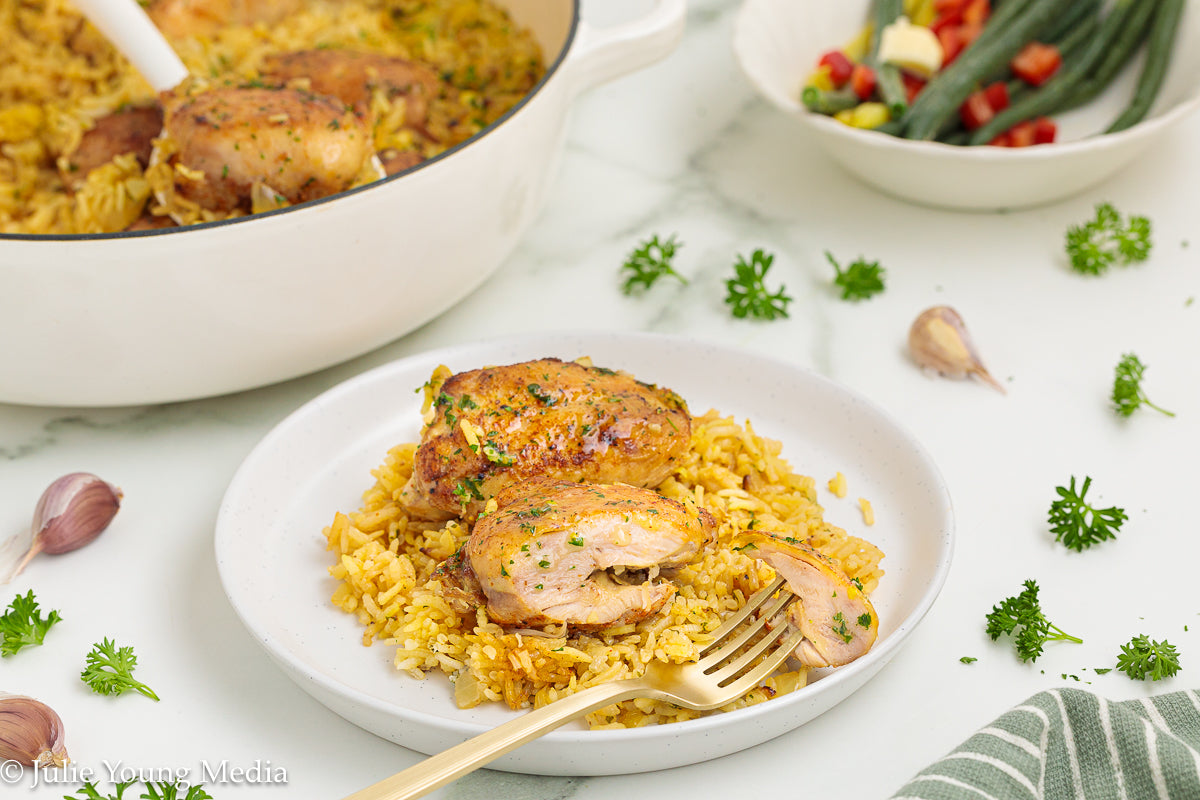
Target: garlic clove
pixel 73 511
pixel 31 733
pixel 938 341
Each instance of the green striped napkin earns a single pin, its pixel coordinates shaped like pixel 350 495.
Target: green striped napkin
pixel 1070 744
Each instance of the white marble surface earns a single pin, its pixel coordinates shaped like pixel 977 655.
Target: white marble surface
pixel 685 147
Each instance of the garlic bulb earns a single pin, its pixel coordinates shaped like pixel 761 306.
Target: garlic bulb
pixel 938 341
pixel 73 511
pixel 31 733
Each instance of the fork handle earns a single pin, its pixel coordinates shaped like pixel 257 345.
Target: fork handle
pixel 438 770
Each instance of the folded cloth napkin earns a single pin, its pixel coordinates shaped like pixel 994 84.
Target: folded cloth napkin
pixel 1070 744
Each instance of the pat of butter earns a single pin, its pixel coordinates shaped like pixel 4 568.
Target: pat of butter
pixel 910 47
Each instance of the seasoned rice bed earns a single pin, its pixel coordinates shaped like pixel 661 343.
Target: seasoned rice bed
pixel 384 564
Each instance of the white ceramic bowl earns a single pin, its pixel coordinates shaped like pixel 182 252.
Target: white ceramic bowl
pixel 274 566
pixel 778 42
pixel 151 317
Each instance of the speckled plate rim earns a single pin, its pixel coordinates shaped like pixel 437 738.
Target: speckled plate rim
pixel 349 428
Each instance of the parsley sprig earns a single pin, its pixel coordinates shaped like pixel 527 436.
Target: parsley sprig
pixel 1022 618
pixel 1107 239
pixel 860 280
pixel 109 670
pixel 649 262
pixel 747 294
pixel 23 625
pixel 1142 658
pixel 1078 524
pixel 155 790
pixel 1127 392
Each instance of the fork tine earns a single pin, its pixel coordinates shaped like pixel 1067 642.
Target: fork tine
pixel 748 656
pixel 720 649
pixel 756 601
pixel 768 665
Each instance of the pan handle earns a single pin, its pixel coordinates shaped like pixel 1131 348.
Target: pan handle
pixel 603 54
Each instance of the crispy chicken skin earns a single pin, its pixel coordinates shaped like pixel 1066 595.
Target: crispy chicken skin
pixel 586 555
pixel 494 426
pixel 178 19
pixel 127 130
pixel 838 621
pixel 352 76
pixel 301 145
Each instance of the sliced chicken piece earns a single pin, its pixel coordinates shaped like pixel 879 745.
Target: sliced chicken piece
pixel 837 619
pixel 584 555
pixel 236 141
pixel 495 426
pixel 179 19
pixel 352 77
pixel 127 130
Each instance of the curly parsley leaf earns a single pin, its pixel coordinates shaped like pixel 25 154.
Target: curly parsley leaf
pixel 747 294
pixel 1127 393
pixel 23 625
pixel 1078 524
pixel 649 262
pixel 860 280
pixel 1142 658
pixel 109 670
pixel 1107 239
pixel 1022 618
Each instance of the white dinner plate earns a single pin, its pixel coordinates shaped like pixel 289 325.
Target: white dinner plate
pixel 273 563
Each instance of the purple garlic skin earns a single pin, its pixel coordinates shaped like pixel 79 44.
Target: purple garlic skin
pixel 31 733
pixel 73 511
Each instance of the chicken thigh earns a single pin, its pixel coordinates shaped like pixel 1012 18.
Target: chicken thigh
pixel 489 428
pixel 586 555
pixel 837 619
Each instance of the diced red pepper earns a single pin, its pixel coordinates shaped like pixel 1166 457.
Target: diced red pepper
pixel 942 7
pixel 1002 140
pixel 840 67
pixel 862 81
pixel 977 12
pixel 1021 134
pixel 976 111
pixel 997 95
pixel 1045 131
pixel 912 85
pixel 952 41
pixel 951 20
pixel 1036 63
pixel 970 32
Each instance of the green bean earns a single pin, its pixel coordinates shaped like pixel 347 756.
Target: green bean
pixel 1049 96
pixel 828 102
pixel 1122 48
pixel 943 95
pixel 1079 11
pixel 1159 45
pixel 887 76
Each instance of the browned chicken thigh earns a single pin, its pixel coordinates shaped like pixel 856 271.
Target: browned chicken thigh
pixel 584 555
pixel 836 617
pixel 489 428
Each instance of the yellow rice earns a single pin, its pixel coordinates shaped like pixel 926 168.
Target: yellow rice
pixel 383 564
pixel 58 75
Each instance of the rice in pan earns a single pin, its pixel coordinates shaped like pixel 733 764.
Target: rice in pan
pixel 59 77
pixel 384 566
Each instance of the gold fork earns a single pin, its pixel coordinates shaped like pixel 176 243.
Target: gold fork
pixel 726 669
